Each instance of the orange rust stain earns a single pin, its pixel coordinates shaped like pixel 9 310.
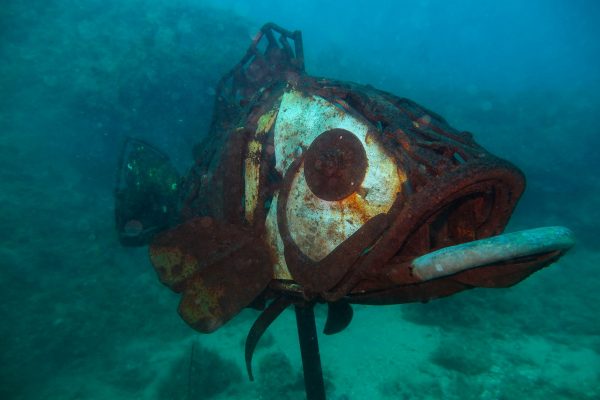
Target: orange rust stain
pixel 403 139
pixel 425 120
pixel 356 205
pixel 308 197
pixel 333 112
pixel 405 144
pixel 172 264
pixel 342 103
pixel 335 231
pixel 201 301
pixel 167 262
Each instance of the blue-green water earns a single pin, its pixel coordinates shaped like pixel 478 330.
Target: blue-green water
pixel 83 318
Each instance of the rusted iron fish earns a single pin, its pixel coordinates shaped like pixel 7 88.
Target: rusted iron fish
pixel 309 189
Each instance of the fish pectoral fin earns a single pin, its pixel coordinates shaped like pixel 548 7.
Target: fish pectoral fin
pixel 219 268
pixel 260 326
pixel 339 316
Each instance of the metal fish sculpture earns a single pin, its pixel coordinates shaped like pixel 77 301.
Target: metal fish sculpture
pixel 312 190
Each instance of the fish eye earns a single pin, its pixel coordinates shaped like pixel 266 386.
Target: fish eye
pixel 335 165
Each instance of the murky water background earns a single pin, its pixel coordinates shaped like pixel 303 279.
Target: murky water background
pixel 83 318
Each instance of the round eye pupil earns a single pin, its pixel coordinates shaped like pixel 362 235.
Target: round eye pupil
pixel 335 164
pixel 330 162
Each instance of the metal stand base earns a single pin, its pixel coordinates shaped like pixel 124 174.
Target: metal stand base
pixel 309 347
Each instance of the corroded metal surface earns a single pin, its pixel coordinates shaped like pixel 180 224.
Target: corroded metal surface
pixel 252 163
pixel 219 268
pixel 454 259
pixel 335 165
pixel 320 190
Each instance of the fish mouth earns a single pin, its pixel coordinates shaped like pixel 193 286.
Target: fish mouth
pixel 473 204
pixel 448 237
pixel 466 233
pixel 476 212
pixel 516 247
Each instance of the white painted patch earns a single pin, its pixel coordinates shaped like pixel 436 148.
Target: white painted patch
pixel 280 269
pixel 252 163
pixel 318 226
pixel 252 179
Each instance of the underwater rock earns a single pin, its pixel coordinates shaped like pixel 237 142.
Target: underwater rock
pixel 201 374
pixel 468 359
pixel 278 379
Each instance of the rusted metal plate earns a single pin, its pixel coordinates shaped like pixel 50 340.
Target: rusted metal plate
pixel 219 268
pixel 335 165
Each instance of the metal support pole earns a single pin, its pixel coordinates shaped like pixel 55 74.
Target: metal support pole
pixel 309 348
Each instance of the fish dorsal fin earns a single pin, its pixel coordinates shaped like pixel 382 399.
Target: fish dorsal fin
pixel 219 268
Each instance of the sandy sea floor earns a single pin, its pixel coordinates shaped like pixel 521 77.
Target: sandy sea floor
pixel 83 318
